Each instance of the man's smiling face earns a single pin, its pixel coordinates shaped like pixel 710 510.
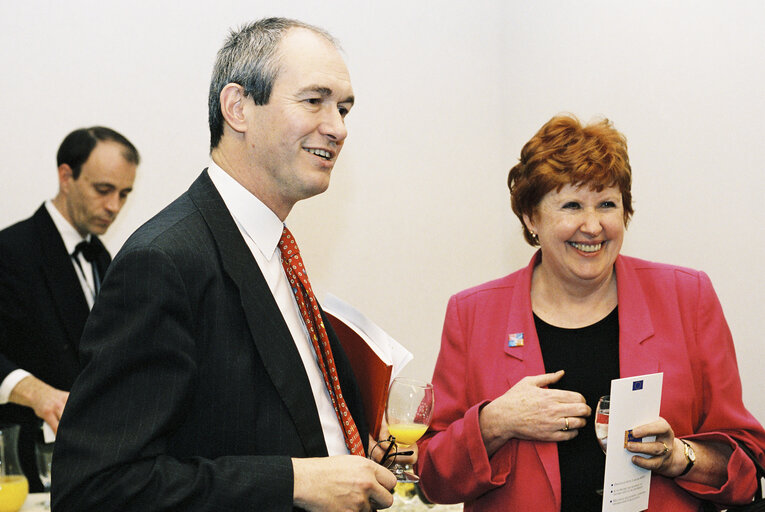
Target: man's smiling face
pixel 294 140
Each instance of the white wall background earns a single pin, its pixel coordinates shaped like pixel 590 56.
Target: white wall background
pixel 447 94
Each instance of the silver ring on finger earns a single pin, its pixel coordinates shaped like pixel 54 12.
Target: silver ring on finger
pixel 565 418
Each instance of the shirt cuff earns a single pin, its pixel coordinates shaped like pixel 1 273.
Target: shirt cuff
pixel 10 382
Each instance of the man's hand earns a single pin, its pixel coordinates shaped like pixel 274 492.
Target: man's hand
pixel 376 454
pixel 47 401
pixel 342 483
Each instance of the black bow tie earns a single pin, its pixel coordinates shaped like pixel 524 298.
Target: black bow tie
pixel 89 250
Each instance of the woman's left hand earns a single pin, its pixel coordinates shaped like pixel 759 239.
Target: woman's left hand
pixel 666 454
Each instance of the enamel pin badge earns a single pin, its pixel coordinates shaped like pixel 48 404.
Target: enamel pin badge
pixel 515 339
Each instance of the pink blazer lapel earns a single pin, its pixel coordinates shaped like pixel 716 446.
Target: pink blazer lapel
pixel 521 343
pixel 635 323
pixel 520 340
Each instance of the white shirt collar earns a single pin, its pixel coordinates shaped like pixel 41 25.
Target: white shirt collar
pixel 69 235
pixel 254 218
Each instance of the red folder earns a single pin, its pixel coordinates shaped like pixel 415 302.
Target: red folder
pixel 372 373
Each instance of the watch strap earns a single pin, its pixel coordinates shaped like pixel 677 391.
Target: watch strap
pixel 687 452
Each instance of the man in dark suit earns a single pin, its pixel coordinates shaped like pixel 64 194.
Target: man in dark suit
pixel 201 388
pixel 46 292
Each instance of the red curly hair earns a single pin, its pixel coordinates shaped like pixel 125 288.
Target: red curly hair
pixel 563 152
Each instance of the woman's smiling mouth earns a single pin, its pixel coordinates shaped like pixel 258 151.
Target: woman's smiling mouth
pixel 586 247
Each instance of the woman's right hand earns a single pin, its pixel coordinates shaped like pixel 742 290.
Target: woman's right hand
pixel 532 412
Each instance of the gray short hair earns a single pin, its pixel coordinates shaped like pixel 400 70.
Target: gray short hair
pixel 249 58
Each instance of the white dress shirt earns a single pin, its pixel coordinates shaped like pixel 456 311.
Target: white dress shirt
pixel 261 230
pixel 71 238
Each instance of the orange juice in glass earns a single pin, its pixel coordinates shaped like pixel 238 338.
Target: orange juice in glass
pixel 13 484
pixel 407 433
pixel 13 492
pixel 408 413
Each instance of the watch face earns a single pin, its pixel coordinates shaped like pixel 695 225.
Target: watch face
pixel 690 455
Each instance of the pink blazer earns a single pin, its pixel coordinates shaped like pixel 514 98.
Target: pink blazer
pixel 670 321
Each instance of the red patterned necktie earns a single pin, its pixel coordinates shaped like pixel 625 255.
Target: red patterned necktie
pixel 309 310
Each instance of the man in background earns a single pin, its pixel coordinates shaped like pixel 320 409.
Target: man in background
pixel 211 380
pixel 50 269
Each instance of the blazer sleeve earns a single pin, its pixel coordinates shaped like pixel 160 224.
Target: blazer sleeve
pixel 723 418
pixel 140 356
pixel 453 463
pixel 10 311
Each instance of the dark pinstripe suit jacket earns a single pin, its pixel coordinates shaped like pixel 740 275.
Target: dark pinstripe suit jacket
pixel 42 314
pixel 193 396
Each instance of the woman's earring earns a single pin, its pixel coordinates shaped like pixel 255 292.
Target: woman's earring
pixel 534 237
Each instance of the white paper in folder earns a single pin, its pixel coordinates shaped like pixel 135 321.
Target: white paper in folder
pixel 387 348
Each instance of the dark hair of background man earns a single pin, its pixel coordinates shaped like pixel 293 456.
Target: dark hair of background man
pixel 77 146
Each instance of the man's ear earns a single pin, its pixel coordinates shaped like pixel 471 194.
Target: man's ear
pixel 65 177
pixel 232 100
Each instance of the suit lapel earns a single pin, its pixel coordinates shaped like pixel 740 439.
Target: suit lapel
pixel 635 324
pixel 269 331
pixel 521 322
pixel 61 278
pixel 521 341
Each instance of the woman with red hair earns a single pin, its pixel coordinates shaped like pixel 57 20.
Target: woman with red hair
pixel 524 358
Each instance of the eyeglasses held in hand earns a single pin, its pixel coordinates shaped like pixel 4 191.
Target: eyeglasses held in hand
pixel 390 452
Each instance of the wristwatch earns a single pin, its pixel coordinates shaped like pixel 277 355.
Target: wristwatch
pixel 690 456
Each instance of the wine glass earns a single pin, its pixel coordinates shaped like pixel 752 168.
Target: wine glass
pixel 44 457
pixel 601 424
pixel 601 421
pixel 408 412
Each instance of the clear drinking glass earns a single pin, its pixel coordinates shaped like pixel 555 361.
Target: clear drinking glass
pixel 44 457
pixel 13 484
pixel 601 425
pixel 601 421
pixel 408 412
